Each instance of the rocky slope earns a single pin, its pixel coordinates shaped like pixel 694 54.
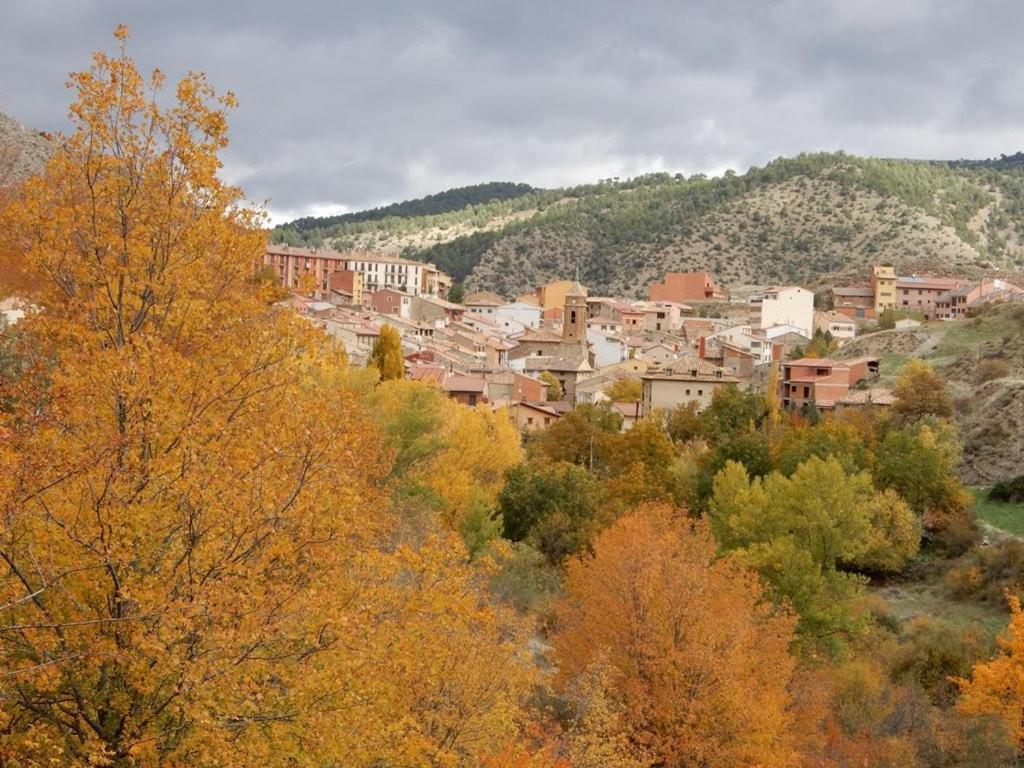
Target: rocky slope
pixel 22 151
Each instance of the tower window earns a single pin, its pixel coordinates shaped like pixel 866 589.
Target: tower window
pixel 572 316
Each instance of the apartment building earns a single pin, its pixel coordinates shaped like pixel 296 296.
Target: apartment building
pixel 309 270
pixel 788 305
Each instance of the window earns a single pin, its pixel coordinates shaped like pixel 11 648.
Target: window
pixel 687 393
pixel 700 393
pixel 572 316
pixel 547 420
pixel 807 391
pixel 529 419
pixel 472 398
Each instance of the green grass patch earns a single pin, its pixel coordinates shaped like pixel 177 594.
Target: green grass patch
pixel 1006 517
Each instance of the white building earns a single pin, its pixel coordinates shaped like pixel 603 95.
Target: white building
pixel 518 313
pixel 789 305
pixel 608 348
pixel 841 327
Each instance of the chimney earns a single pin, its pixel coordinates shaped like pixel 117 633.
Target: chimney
pixel 702 347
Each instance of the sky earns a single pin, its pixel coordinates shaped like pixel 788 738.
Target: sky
pixel 346 105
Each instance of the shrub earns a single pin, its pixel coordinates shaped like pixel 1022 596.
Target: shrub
pixel 1011 491
pixel 951 530
pixel 990 369
pixel 990 572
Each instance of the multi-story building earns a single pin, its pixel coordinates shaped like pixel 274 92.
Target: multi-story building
pixel 309 270
pixel 822 381
pixel 841 327
pixel 854 301
pixel 789 305
pixel 922 293
pixel 687 286
pixel 956 303
pixel 883 286
pixel 686 380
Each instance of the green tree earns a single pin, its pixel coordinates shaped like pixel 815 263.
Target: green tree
pixel 457 293
pixel 554 507
pixel 583 436
pixel 554 391
pixel 799 532
pixel 386 355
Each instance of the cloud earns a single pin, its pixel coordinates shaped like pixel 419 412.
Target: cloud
pixel 346 105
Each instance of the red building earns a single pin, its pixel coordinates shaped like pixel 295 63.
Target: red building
pixel 822 381
pixel 682 287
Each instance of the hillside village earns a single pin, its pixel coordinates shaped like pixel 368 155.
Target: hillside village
pixel 658 473
pixel 541 354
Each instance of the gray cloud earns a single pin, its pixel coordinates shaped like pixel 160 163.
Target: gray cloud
pixel 354 104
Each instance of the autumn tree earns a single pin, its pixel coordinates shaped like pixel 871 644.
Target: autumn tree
pixel 699 662
pixel 386 355
pixel 920 392
pixel 554 386
pixel 583 436
pixel 625 391
pixel 449 458
pixel 199 565
pixel 996 686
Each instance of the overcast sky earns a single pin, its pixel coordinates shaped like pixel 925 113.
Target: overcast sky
pixel 345 105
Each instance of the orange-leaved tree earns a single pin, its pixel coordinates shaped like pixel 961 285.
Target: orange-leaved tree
pixel 996 687
pixel 196 559
pixel 701 662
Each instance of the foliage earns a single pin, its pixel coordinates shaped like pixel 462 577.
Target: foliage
pixel 1008 491
pixel 821 345
pixel 996 687
pixel 583 436
pixel 921 392
pixel 889 316
pixel 797 531
pixel 625 391
pixel 931 654
pixel 989 573
pixel 386 355
pixel 442 202
pixel 554 507
pixel 703 662
pixel 448 458
pixel 554 386
pixel 201 566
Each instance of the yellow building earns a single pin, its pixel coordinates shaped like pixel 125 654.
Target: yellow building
pixel 883 285
pixel 552 295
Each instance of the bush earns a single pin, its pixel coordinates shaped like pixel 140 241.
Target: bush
pixel 990 369
pixel 951 530
pixel 1010 491
pixel 932 653
pixel 990 572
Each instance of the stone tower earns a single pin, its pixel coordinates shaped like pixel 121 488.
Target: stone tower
pixel 574 317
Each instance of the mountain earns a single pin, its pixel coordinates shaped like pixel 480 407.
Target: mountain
pixel 813 219
pixel 23 152
pixel 431 205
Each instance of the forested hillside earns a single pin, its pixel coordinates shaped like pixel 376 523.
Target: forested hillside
pixel 806 219
pixel 442 202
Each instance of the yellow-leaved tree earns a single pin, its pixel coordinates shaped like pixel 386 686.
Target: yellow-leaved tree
pixel 197 559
